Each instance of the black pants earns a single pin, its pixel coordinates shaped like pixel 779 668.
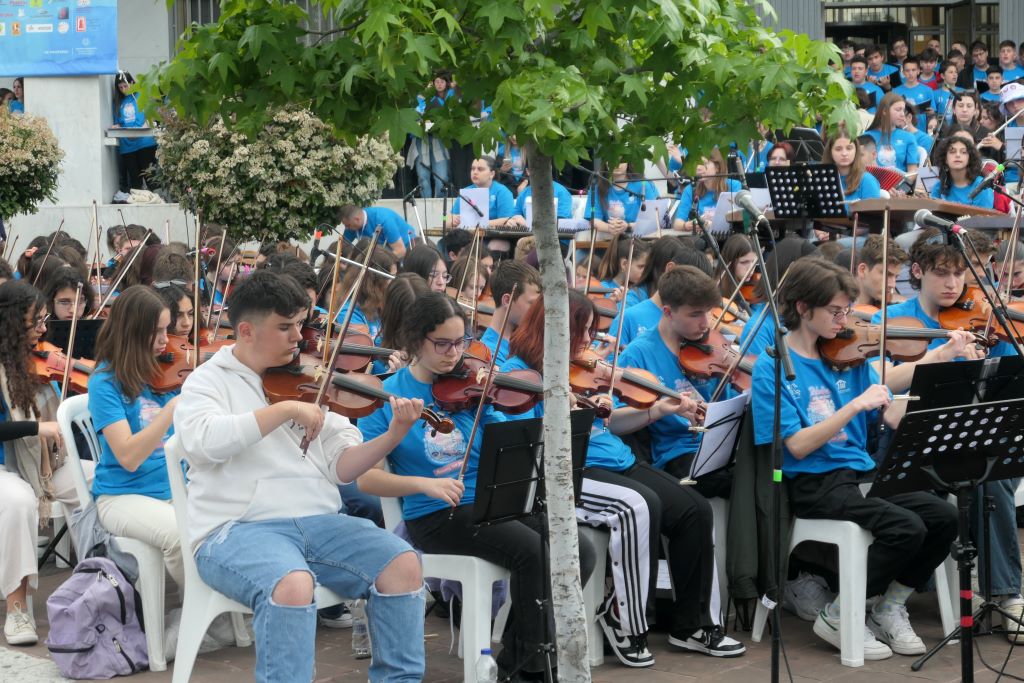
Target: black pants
pixel 683 516
pixel 913 531
pixel 515 546
pixel 135 165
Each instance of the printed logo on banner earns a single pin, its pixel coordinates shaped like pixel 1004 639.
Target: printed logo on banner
pixel 3 29
pixel 62 13
pixel 15 28
pixel 63 27
pixel 80 24
pixel 39 28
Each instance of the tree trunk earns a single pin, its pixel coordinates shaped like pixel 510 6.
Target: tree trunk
pixel 566 589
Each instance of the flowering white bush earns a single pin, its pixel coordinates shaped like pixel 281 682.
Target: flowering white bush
pixel 293 176
pixel 29 163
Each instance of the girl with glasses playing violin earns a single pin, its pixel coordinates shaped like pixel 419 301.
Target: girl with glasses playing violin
pixel 133 422
pixel 180 305
pixel 437 504
pixel 637 504
pixel 427 262
pixel 31 475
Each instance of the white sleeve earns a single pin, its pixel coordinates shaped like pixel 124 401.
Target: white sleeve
pixel 208 434
pixel 337 436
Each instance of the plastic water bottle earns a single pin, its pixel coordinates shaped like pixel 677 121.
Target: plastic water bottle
pixel 360 633
pixel 486 667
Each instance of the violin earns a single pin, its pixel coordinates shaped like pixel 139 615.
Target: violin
pixel 636 387
pixel 748 287
pixel 512 392
pixel 713 357
pixel 49 363
pixel 353 395
pixel 178 359
pixel 357 349
pixel 972 311
pixel 604 308
pixel 907 339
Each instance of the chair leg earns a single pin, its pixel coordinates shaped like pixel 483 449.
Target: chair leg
pixel 593 594
pixel 475 632
pixel 760 619
pixel 242 638
pixel 151 590
pixel 853 570
pixel 195 620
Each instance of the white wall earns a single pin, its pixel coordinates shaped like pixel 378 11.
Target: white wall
pixel 143 34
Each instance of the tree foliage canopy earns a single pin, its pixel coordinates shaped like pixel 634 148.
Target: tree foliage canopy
pixel 604 75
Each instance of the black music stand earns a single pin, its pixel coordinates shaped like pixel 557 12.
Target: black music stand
pixel 510 486
pixel 806 191
pixel 58 332
pixel 956 449
pixel 806 142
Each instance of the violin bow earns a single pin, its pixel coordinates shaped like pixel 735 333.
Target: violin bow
pixel 331 311
pixel 197 310
pixel 1008 260
pixel 94 257
pixel 224 301
pixel 216 271
pixel 884 334
pixel 125 266
pixel 622 319
pixel 488 381
pixel 9 248
pixel 328 371
pixel 71 345
pixel 853 248
pixel 735 293
pixel 49 248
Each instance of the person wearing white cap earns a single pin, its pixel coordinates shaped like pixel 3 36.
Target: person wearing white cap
pixel 1011 102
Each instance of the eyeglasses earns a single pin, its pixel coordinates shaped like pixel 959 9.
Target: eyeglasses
pixel 39 322
pixel 67 303
pixel 442 275
pixel 443 346
pixel 838 313
pixel 164 284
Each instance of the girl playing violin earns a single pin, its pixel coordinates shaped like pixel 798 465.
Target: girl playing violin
pixel 370 303
pixel 427 262
pixel 436 504
pixel 824 425
pixel 180 306
pixel 738 255
pixel 133 494
pixel 472 278
pixel 32 476
pixel 61 288
pixel 611 271
pixel 638 504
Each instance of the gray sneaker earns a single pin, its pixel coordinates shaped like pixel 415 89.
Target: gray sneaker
pixel 892 626
pixel 827 629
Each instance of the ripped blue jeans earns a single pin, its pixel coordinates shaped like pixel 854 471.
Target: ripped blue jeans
pixel 246 560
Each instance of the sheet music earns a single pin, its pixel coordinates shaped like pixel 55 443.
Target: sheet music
pixel 529 211
pixel 928 176
pixel 722 421
pixel 649 218
pixel 1013 138
pixel 468 217
pixel 720 223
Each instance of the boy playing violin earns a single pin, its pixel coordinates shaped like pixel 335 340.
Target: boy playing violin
pixel 263 512
pixel 505 276
pixel 824 425
pixel 939 273
pixel 872 275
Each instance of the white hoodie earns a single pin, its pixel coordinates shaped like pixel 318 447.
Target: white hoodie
pixel 237 475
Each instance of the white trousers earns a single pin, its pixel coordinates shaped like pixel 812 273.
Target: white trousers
pixel 148 520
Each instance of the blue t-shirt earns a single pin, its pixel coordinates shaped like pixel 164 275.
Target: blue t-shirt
pixel 670 436
pixel 513 154
pixel 707 202
pixel 886 70
pixel 108 405
pixel 16 107
pixel 562 196
pixel 982 74
pixel 636 295
pixel 606 450
pixel 867 189
pixel 921 96
pixel 359 318
pixel 985 199
pixel 765 335
pixel 871 89
pixel 620 202
pixel 500 201
pixel 637 320
pixel 815 395
pixel 924 140
pixel 989 96
pixel 422 453
pixel 490 340
pixel 899 149
pixel 393 227
pixel 941 102
pixel 1011 74
pixel 130 115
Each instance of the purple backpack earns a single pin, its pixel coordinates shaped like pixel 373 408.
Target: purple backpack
pixel 95 628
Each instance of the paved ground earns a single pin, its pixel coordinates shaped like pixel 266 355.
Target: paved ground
pixel 809 658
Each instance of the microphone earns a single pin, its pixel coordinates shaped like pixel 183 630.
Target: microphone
pixel 745 200
pixel 472 204
pixel 735 167
pixel 926 219
pixel 987 182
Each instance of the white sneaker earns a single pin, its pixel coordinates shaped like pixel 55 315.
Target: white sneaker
pixel 892 626
pixel 827 629
pixel 18 629
pixel 1015 606
pixel 806 595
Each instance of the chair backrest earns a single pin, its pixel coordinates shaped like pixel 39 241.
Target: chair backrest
pixel 75 412
pixel 174 455
pixel 392 507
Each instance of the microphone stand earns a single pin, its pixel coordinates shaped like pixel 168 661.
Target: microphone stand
pixel 444 200
pixel 783 366
pixel 713 244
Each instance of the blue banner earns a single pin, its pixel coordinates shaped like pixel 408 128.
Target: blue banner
pixel 58 37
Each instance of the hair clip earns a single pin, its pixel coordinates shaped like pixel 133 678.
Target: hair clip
pixel 31 251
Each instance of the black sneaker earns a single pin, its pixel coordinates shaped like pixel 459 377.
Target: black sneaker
pixel 630 650
pixel 712 642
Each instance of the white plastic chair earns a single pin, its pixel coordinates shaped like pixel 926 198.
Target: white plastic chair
pixel 203 604
pixel 720 513
pixel 853 542
pixel 476 576
pixel 151 583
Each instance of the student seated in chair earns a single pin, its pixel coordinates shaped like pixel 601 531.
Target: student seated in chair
pixel 263 497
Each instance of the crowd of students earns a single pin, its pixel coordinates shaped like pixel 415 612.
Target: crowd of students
pixel 268 481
